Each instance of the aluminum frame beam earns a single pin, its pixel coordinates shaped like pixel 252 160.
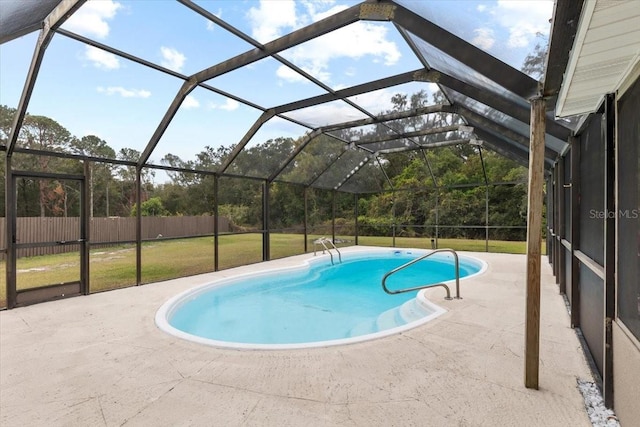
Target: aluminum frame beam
pixel 385 10
pixel 484 122
pixel 55 19
pixel 503 147
pixel 351 91
pixel 422 132
pixel 302 35
pixel 305 141
pixel 494 101
pixel 331 23
pixel 265 117
pixel 463 51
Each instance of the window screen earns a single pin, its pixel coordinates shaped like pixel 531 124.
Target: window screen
pixel 629 209
pixel 592 191
pixel 566 194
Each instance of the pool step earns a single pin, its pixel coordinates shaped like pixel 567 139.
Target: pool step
pixel 413 310
pixel 410 311
pixel 389 319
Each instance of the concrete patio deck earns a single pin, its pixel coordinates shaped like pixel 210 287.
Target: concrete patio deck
pixel 100 360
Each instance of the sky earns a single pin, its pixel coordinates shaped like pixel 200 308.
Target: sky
pixel 92 92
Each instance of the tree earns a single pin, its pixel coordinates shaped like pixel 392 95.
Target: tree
pixel 100 176
pixel 43 133
pixel 151 207
pixel 128 178
pixel 535 61
pixel 179 177
pixel 6 119
pixel 414 200
pixel 175 199
pixel 198 189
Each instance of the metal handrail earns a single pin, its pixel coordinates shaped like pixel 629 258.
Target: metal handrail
pixel 410 263
pixel 336 248
pixel 323 241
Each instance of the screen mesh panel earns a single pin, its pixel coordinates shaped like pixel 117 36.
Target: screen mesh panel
pixel 592 191
pixel 314 158
pixel 466 203
pixel 240 200
pixel 592 312
pixel 368 178
pixel 319 212
pixel 253 128
pixel 550 204
pixel 286 207
pixel 567 273
pixel 566 194
pixel 343 169
pixel 18 17
pixel 629 210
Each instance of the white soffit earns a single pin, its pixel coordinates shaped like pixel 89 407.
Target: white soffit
pixel 605 50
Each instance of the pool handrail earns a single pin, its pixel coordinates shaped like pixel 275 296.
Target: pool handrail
pixel 410 263
pixel 322 241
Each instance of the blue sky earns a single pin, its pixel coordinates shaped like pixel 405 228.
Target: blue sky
pixel 90 91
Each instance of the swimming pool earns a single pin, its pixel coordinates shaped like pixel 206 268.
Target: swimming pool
pixel 314 303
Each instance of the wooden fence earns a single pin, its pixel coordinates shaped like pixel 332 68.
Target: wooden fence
pixel 103 230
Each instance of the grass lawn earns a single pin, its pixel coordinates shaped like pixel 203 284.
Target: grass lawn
pixel 115 266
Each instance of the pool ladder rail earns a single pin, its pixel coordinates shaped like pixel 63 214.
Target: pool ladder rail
pixel 431 285
pixel 323 242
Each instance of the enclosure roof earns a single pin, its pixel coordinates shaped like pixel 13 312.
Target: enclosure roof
pixel 605 51
pixel 484 100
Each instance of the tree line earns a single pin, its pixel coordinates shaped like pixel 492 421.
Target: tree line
pixel 429 186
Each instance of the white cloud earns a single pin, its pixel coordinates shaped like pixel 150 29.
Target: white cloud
pixel 484 38
pixel 481 7
pixel 355 41
pixel 285 73
pixel 270 18
pixel 172 59
pixel 524 20
pixel 229 105
pixel 125 93
pixel 325 114
pixel 210 25
pixel 317 16
pixel 91 18
pixel 101 59
pixel 376 102
pixel 190 102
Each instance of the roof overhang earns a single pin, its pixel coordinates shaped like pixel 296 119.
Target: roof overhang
pixel 605 52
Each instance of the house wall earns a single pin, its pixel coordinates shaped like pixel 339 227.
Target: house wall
pixel 626 373
pixel 620 368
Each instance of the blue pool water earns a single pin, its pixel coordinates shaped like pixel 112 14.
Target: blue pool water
pixel 316 304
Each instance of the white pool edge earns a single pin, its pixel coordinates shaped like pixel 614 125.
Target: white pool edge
pixel 166 310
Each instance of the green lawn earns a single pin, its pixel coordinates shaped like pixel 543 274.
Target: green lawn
pixel 115 266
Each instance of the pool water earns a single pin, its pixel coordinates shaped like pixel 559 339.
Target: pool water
pixel 318 304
